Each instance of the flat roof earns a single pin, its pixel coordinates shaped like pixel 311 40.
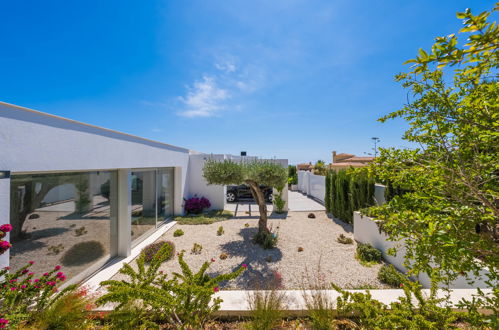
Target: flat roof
pixel 140 139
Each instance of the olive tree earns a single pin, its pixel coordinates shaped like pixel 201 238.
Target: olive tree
pixel 449 213
pixel 253 174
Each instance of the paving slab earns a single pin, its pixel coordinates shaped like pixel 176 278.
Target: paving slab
pixel 301 202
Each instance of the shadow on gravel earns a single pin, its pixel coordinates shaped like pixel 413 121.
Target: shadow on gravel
pixel 259 274
pixel 346 226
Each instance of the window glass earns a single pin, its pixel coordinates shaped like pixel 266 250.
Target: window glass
pixel 62 219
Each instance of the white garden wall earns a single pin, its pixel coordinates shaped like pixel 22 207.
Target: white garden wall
pixel 312 185
pixel 366 231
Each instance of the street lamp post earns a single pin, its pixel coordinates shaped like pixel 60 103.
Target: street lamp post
pixel 375 140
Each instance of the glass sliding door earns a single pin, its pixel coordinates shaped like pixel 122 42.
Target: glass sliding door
pixel 144 203
pixel 63 219
pixel 165 184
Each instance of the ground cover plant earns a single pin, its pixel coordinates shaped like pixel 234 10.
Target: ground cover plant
pixel 204 218
pixel 389 275
pixel 152 249
pixel 368 255
pixel 178 233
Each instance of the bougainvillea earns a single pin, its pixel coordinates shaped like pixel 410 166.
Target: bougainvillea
pixel 196 205
pixel 4 245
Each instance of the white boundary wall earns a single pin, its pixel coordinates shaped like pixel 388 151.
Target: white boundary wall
pixel 366 231
pixel 312 185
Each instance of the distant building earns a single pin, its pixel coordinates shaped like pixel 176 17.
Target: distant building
pixel 343 161
pixel 305 167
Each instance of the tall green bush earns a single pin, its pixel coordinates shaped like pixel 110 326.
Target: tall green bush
pixel 348 191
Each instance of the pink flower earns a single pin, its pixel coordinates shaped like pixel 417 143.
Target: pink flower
pixel 45 274
pixel 13 280
pixel 31 274
pixel 51 283
pixel 31 262
pixel 12 289
pixel 24 271
pixel 3 323
pixel 212 259
pixel 23 286
pixel 216 289
pixel 4 245
pixel 37 280
pixel 57 267
pixel 59 274
pixel 244 266
pixel 6 228
pixel 6 268
pixel 62 278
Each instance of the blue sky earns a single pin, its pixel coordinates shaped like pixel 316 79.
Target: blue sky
pixel 289 79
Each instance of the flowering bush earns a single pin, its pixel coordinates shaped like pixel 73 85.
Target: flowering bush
pixel 195 205
pixel 4 245
pixel 20 290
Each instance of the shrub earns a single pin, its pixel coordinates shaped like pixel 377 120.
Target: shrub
pixel 22 296
pixel 367 253
pixel 389 275
pixel 178 232
pixel 55 249
pixel 152 249
pixel 266 309
pixel 344 239
pixel 428 312
pixel 220 231
pixel 223 256
pixel 266 239
pixel 196 248
pixel 81 231
pixel 70 309
pixel 185 300
pixel 196 205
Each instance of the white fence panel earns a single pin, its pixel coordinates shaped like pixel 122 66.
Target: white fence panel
pixel 312 185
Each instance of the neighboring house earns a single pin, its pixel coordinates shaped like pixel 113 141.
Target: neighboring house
pixel 80 195
pixel 305 167
pixel 343 161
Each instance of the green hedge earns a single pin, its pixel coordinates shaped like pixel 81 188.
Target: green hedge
pixel 347 192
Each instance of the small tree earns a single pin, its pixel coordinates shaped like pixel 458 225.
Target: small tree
pixel 254 174
pixel 320 168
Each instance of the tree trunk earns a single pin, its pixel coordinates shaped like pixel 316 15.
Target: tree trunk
pixel 262 206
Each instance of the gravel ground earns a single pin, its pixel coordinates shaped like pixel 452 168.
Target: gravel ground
pixel 323 259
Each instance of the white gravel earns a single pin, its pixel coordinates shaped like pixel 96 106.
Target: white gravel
pixel 322 259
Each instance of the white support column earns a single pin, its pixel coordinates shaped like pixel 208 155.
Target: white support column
pixel 124 238
pixel 5 211
pixel 177 192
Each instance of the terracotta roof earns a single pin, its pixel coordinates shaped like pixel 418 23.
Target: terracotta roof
pixel 346 164
pixel 344 155
pixel 365 159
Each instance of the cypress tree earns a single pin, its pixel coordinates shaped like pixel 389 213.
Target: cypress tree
pixel 327 197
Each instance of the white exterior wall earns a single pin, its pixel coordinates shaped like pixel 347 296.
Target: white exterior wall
pixel 312 185
pixel 31 141
pixel 366 231
pixel 198 185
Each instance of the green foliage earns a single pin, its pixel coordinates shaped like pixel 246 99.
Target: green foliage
pixel 185 300
pixel 152 249
pixel 292 175
pixel 266 239
pixel 344 239
pixel 320 168
pixel 266 309
pixel 220 231
pixel 279 202
pixel 22 296
pixel 321 309
pixel 177 233
pixel 389 275
pixel 196 248
pixel 229 172
pixel 449 216
pixel 348 191
pixel 204 218
pixel 413 311
pixel 368 253
pixel 69 309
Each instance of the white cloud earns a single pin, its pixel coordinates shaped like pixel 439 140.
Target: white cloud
pixel 226 66
pixel 204 99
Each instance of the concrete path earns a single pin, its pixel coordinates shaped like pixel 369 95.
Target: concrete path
pixel 300 202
